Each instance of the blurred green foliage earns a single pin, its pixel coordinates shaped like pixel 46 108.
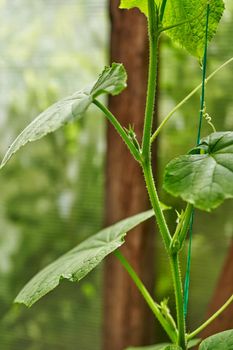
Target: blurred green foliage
pixel 52 192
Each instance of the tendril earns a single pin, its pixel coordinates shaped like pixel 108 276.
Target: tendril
pixel 208 118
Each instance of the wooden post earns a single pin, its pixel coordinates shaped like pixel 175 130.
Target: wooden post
pixel 127 318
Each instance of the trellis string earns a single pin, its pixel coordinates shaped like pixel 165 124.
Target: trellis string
pixel 202 103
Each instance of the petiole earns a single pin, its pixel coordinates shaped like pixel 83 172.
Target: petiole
pixel 156 308
pixel 121 131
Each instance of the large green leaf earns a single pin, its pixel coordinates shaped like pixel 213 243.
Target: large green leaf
pixel 191 34
pixel 78 262
pixel 128 4
pixel 151 347
pixel 111 81
pixel 165 346
pixel 191 17
pixel 205 177
pixel 193 343
pixel 162 346
pixel 220 341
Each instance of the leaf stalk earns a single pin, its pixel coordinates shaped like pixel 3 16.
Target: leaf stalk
pixel 172 332
pixel 153 31
pixel 121 131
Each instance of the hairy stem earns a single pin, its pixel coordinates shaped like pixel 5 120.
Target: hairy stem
pixel 153 31
pixel 211 319
pixel 147 169
pixel 174 260
pixel 164 230
pixel 146 295
pixel 149 113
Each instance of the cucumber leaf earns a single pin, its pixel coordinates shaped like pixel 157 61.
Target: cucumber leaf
pixel 165 346
pixel 150 347
pixel 191 34
pixel 203 178
pixel 189 19
pixel 111 81
pixel 141 4
pixel 78 262
pixel 193 342
pixel 219 341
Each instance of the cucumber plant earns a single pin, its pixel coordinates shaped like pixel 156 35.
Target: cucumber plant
pixel 203 177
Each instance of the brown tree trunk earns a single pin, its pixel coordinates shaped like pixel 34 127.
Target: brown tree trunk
pixel 223 291
pixel 127 318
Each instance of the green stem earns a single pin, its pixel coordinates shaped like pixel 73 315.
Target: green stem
pixel 181 103
pixel 146 147
pixel 146 295
pixel 121 131
pixel 153 31
pixel 147 168
pixel 173 257
pixel 211 319
pixel 164 230
pixel 174 260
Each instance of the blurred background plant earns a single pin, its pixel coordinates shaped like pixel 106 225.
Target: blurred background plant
pixel 52 192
